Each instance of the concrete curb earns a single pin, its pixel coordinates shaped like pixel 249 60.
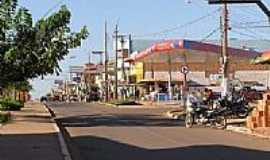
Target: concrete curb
pixel 240 130
pixel 63 145
pixel 108 104
pixel 246 131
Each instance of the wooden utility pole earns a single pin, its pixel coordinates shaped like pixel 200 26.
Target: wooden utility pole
pixel 116 62
pixel 106 63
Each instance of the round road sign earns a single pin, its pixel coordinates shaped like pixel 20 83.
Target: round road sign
pixel 184 69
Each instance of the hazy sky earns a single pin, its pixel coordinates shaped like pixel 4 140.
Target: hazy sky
pixel 141 17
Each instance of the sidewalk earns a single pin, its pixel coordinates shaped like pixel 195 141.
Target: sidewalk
pixel 30 135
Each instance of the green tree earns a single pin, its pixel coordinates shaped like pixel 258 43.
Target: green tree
pixel 29 50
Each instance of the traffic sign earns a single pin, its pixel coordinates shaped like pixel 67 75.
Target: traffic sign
pixel 184 69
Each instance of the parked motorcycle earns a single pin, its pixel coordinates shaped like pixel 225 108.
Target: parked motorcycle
pixel 197 113
pixel 236 106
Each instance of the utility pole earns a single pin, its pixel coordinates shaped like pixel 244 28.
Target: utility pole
pixel 130 44
pixel 116 63
pixel 123 58
pixel 122 40
pixel 170 76
pixel 106 63
pixel 225 54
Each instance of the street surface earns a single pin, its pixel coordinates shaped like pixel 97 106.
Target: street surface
pixel 100 132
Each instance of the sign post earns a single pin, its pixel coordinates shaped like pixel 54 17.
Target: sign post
pixel 185 71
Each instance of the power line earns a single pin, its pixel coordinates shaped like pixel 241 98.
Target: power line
pixel 210 34
pixel 253 27
pixel 249 29
pixel 52 8
pixel 248 10
pixel 253 22
pixel 244 34
pixel 239 16
pixel 180 26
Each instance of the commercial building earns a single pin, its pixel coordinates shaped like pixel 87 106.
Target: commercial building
pixel 158 66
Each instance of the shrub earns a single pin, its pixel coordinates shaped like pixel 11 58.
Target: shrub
pixel 4 117
pixel 8 104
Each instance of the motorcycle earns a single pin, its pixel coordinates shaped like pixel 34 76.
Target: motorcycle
pixel 197 113
pixel 235 107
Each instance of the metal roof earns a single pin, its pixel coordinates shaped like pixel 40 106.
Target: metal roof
pixel 193 50
pixel 258 45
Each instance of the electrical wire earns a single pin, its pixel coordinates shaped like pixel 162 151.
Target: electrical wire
pixel 244 34
pixel 248 10
pixel 52 8
pixel 253 27
pixel 248 26
pixel 210 34
pixel 179 26
pixel 248 29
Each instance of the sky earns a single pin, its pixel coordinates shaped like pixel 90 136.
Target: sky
pixel 141 18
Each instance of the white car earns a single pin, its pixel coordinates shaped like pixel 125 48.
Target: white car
pixel 259 87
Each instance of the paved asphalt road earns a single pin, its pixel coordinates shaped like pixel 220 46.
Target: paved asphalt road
pixel 104 133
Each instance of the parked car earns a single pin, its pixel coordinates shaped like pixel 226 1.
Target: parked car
pixel 259 87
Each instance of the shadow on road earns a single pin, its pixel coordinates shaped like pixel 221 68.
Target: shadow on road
pixel 117 120
pixel 30 147
pixel 105 149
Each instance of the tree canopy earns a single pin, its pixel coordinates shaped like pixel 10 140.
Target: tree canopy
pixel 29 50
